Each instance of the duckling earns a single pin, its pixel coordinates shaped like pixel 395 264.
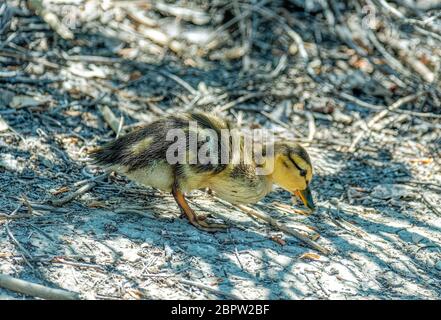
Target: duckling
pixel 156 156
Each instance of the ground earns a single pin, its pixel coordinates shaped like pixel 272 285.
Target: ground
pixel 377 181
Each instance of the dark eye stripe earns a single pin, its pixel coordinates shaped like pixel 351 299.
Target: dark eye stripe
pixel 302 171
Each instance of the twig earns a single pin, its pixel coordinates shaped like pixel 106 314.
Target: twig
pixel 210 289
pixel 196 16
pixel 391 9
pixel 289 31
pixel 110 118
pixel 311 126
pixel 425 27
pixel 25 253
pixel 73 195
pixel 28 57
pixel 242 99
pixel 411 60
pixel 275 224
pixel 44 233
pixel 359 102
pixel 178 80
pixel 27 204
pixel 36 290
pixel 140 65
pixel 236 252
pixel 281 65
pixel 138 16
pixel 51 19
pixel 380 115
pixel 390 59
pixel 97 178
pixel 431 206
pixel 345 225
pixel 246 31
pixel 427 24
pixel 424 183
pixel 231 22
pixel 120 126
pixel 377 107
pixel 428 33
pixel 78 264
pixel 15 216
pixel 272 118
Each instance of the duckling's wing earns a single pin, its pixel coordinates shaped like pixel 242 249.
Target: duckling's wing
pixel 145 146
pixel 139 148
pixel 209 160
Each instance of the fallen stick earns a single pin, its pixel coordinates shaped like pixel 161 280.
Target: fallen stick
pixel 240 100
pixel 179 81
pixel 211 37
pixel 311 126
pixel 359 102
pixel 4 216
pixel 36 290
pixel 24 253
pixel 274 119
pixel 51 19
pixel 14 215
pixel 3 125
pixel 27 204
pixel 430 205
pixel 275 224
pixel 405 55
pixel 110 118
pixel 375 107
pixel 210 289
pixel 78 264
pixel 96 178
pixel 161 38
pixel 391 9
pixel 137 15
pixel 193 15
pixel 380 115
pixel 73 195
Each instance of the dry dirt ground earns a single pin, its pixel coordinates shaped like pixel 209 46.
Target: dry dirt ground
pixel 379 201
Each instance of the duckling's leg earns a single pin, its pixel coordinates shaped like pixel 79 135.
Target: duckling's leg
pixel 198 222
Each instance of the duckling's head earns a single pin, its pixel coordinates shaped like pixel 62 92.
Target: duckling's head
pixel 292 170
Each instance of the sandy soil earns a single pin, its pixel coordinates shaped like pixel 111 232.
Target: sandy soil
pixel 378 205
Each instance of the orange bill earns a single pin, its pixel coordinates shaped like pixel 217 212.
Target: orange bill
pixel 306 197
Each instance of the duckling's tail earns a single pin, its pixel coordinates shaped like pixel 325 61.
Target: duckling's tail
pixel 108 155
pixel 133 150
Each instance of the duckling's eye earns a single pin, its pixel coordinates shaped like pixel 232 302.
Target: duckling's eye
pixel 303 172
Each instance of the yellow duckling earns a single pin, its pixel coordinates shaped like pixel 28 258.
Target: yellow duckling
pixel 169 154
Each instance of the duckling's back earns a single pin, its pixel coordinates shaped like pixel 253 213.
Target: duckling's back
pixel 141 155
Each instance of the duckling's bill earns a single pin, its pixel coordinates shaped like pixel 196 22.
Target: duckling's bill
pixel 306 197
